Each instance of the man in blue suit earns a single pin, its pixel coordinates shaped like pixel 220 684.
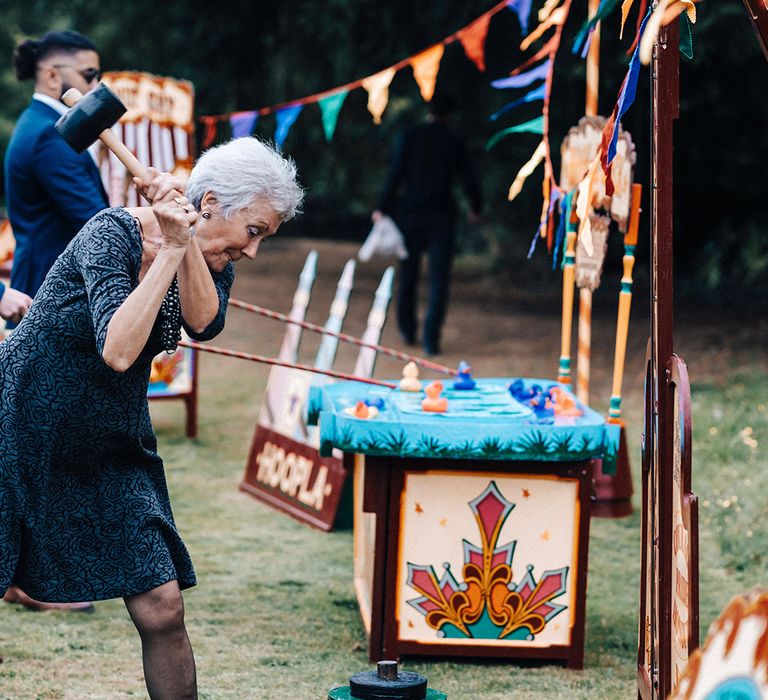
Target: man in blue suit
pixel 51 191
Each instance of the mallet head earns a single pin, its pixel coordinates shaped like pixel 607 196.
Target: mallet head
pixel 92 114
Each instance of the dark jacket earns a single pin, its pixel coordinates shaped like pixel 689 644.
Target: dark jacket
pixel 427 161
pixel 50 192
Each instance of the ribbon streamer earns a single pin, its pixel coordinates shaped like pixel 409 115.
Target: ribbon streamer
pixel 526 170
pixel 556 19
pixel 538 93
pixel 533 126
pixel 522 79
pixel 522 8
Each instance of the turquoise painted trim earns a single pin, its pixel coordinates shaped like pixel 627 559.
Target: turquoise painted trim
pixel 626 287
pixel 485 423
pixel 611 447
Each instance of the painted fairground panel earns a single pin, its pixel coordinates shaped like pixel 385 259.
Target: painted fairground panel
pixel 488 559
pixel 172 374
pixel 364 534
pixel 685 585
pixel 291 475
pixel 733 663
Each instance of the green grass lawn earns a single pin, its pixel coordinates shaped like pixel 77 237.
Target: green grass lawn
pixel 274 614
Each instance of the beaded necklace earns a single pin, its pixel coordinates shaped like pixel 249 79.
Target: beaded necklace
pixel 170 311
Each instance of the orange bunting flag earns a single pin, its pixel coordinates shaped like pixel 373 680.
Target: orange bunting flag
pixel 557 18
pixel 472 38
pixel 526 170
pixel 425 67
pixel 377 86
pixel 209 133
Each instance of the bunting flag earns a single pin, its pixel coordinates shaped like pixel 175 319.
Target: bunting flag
pixel 538 93
pixel 556 19
pixel 377 86
pixel 534 126
pixel 549 48
pixel 285 119
pixel 666 11
pixel 330 107
pixel 522 8
pixel 526 170
pixel 522 79
pixel 604 9
pixel 472 38
pixel 242 123
pixel 209 130
pixel 425 64
pixel 425 68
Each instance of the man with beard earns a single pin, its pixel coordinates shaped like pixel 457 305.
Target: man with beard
pixel 51 191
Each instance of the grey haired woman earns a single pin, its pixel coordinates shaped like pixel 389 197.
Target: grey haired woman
pixel 84 508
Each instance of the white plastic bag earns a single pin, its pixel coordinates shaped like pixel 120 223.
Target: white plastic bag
pixel 385 239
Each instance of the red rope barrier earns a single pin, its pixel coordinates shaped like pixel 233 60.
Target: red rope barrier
pixel 428 364
pixel 270 361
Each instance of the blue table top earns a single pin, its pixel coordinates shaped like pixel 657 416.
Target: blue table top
pixel 482 423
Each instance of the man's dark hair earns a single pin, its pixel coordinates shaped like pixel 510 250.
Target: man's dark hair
pixel 28 54
pixel 443 104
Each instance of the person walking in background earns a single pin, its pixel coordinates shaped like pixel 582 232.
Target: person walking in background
pixel 428 159
pixel 50 190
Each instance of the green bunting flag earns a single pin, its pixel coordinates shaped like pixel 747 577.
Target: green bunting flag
pixel 330 107
pixel 534 126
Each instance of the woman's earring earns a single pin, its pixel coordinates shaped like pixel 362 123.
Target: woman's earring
pixel 206 215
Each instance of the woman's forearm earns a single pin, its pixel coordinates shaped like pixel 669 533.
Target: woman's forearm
pixel 131 324
pixel 197 291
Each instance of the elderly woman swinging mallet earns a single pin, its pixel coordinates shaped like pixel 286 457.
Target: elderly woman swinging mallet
pixel 84 508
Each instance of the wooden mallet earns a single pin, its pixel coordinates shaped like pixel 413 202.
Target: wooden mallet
pixel 90 118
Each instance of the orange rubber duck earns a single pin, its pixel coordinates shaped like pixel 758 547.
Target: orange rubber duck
pixel 434 402
pixel 565 403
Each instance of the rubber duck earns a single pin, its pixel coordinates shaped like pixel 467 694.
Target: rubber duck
pixel 464 381
pixel 410 380
pixel 565 403
pixel 361 410
pixel 434 402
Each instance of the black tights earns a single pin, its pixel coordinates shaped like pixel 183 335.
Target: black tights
pixel 169 666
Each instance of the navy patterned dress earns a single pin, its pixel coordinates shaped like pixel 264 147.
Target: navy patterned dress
pixel 84 509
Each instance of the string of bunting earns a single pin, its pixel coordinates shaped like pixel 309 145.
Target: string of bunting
pixel 425 66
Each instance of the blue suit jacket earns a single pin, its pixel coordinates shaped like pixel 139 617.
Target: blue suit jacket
pixel 50 192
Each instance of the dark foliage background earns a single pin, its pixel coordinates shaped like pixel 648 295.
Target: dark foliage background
pixel 244 55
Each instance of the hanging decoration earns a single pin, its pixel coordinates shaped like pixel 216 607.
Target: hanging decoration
pixel 242 123
pixel 472 38
pixel 425 68
pixel 425 65
pixel 330 107
pixel 377 87
pixel 285 119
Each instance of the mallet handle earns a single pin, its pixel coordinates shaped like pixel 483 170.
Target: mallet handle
pixel 70 98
